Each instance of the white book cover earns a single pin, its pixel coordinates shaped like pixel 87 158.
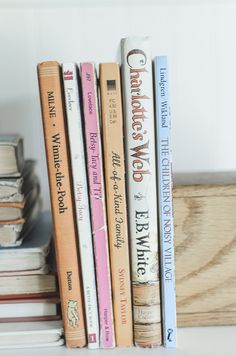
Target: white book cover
pixel 11 155
pixel 31 334
pixel 26 308
pixel 165 185
pixel 13 189
pixel 32 253
pixel 141 184
pixel 80 186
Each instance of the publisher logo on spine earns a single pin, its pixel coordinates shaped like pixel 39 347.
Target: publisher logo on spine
pixel 92 338
pixel 68 75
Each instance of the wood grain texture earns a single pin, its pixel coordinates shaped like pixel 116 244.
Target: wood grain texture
pixel 205 252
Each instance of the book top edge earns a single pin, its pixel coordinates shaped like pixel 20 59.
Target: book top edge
pixel 49 64
pixel 135 38
pixel 10 139
pixel 109 63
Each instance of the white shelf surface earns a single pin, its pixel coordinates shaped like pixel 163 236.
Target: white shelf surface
pixel 207 341
pixel 67 3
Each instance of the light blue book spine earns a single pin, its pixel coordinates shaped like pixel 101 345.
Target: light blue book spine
pixel 165 185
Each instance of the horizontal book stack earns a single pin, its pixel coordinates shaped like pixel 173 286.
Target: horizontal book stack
pixel 28 285
pixel 20 203
pixel 105 146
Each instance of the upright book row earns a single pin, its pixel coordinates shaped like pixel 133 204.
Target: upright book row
pixel 90 170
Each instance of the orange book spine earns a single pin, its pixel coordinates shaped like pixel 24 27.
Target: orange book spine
pixel 49 77
pixel 112 126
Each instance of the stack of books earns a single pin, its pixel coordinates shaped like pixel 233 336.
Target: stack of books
pixel 28 285
pixel 20 202
pixel 112 202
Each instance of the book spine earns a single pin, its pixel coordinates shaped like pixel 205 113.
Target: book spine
pixel 97 203
pixel 77 154
pixel 113 147
pixel 165 186
pixel 61 202
pixel 141 187
pixel 19 156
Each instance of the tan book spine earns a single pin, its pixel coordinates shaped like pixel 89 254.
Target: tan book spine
pixel 61 202
pixel 112 126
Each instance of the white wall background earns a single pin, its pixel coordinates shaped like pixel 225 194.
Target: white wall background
pixel 198 36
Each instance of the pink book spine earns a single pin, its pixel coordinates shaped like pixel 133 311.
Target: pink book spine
pixel 97 203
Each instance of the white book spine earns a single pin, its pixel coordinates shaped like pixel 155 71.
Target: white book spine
pixel 80 188
pixel 141 182
pixel 140 154
pixel 165 185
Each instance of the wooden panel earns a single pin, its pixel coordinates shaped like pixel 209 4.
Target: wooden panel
pixel 204 190
pixel 205 247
